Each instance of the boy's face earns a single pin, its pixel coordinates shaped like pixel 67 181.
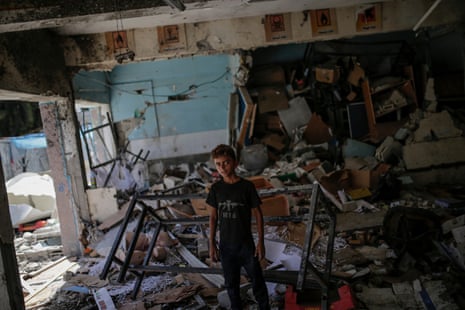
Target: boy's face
pixel 225 166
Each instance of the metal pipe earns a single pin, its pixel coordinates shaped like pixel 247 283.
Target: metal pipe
pixel 147 257
pixel 426 15
pixel 132 245
pixel 118 238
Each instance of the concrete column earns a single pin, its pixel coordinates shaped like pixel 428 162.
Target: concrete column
pixel 11 296
pixel 65 157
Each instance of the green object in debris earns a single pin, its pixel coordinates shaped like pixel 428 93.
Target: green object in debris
pixel 288 177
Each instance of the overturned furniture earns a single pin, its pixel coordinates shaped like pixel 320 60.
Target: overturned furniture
pixel 104 148
pixel 307 277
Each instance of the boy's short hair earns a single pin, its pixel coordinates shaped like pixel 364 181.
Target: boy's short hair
pixel 223 150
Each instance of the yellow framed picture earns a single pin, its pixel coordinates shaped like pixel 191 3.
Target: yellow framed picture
pixel 171 37
pixel 323 21
pixel 369 18
pixel 278 27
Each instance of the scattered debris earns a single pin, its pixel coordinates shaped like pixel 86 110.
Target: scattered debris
pixel 397 243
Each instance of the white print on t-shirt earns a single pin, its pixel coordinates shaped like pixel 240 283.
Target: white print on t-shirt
pixel 229 209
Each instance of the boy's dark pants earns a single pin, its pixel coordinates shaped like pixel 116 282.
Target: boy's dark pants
pixel 232 259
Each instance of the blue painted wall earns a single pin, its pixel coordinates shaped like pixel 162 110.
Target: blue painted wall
pixel 172 97
pixel 91 86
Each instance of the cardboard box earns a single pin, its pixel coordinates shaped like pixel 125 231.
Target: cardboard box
pixel 356 75
pixel 200 207
pixel 276 141
pixel 275 206
pixel 317 131
pixel 273 122
pixel 260 182
pixel 327 75
pixel 298 230
pixel 360 179
pixel 355 183
pixel 267 75
pixel 355 194
pixel 272 98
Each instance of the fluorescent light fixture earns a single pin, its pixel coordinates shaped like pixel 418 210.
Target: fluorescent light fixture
pixel 176 4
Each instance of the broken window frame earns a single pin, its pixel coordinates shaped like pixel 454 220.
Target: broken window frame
pixel 89 140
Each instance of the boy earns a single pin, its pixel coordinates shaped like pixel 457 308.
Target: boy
pixel 233 200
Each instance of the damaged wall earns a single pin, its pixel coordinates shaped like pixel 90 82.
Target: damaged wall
pixel 93 51
pixel 176 107
pixel 32 62
pixel 63 149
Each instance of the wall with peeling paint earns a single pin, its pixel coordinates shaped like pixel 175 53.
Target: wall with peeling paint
pixel 174 128
pixel 174 100
pixel 224 36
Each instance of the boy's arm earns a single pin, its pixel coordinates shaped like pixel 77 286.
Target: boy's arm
pixel 213 250
pixel 260 249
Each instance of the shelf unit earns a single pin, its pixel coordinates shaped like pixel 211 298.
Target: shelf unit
pixel 405 84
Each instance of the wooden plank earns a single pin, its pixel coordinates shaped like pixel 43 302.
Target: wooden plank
pixel 369 109
pixel 252 121
pixel 249 106
pixel 350 221
pixel 43 269
pixel 36 296
pixel 28 288
pixel 215 279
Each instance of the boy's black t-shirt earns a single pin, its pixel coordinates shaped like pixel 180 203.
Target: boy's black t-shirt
pixel 234 203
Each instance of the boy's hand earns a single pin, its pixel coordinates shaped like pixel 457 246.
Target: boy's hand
pixel 260 251
pixel 213 253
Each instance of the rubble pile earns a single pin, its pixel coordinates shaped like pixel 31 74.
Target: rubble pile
pixel 397 244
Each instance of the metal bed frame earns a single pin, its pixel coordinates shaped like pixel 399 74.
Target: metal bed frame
pixel 307 277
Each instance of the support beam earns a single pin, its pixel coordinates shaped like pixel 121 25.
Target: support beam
pixel 63 149
pixel 11 296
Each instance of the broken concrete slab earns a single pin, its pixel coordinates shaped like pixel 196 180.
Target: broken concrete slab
pixel 378 298
pixel 102 203
pixel 36 190
pixel 455 174
pixel 351 221
pixel 434 153
pixel 436 126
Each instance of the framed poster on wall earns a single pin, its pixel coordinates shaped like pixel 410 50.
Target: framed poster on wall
pixel 117 41
pixel 278 27
pixel 323 21
pixel 369 17
pixel 120 39
pixel 171 38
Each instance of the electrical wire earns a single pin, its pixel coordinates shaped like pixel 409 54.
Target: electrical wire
pixel 189 89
